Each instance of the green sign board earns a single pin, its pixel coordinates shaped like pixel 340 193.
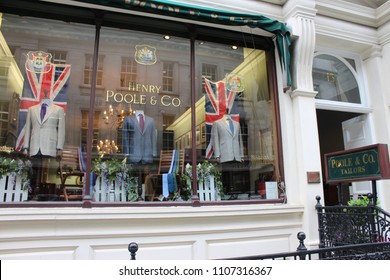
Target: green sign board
pixel 366 163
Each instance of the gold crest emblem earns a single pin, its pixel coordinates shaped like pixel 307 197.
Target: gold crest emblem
pixel 145 55
pixel 235 83
pixel 38 61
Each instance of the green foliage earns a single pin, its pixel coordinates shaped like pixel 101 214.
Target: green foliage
pixel 115 170
pixel 204 170
pixel 361 201
pixel 16 167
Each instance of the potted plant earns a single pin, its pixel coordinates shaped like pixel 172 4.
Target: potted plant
pixel 116 172
pixel 206 171
pixel 16 168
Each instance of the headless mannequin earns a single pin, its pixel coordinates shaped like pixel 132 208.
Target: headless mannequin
pixel 48 102
pixel 140 144
pixel 44 121
pixel 227 118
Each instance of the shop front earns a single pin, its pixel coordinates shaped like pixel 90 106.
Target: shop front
pixel 159 124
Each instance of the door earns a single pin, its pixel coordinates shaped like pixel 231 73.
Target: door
pixel 357 133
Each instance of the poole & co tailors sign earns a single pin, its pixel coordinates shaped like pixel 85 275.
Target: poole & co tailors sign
pixel 361 164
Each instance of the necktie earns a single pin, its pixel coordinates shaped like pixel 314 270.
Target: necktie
pixel 43 111
pixel 231 125
pixel 141 122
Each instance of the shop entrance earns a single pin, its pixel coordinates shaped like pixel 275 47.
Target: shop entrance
pixel 341 131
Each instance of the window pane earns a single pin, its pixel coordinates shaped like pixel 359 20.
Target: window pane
pixel 236 90
pixel 142 76
pixel 46 66
pixel 334 80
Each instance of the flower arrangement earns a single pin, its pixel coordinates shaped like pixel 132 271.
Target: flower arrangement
pixel 115 170
pixel 204 170
pixel 16 167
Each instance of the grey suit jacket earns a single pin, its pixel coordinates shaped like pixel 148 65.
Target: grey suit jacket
pixel 227 146
pixel 137 145
pixel 47 135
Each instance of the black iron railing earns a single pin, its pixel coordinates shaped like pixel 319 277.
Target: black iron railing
pixel 345 225
pixel 366 251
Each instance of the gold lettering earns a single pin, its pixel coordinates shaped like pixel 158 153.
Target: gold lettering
pixel 338 163
pixel 126 98
pixel 163 100
pixel 176 102
pixel 131 86
pixel 357 161
pixel 109 94
pixel 153 100
pixel 367 158
pixel 144 88
pixel 142 99
pixel 158 89
pixel 116 99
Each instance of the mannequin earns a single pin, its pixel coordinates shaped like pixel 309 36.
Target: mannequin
pixel 227 140
pixel 139 143
pixel 44 136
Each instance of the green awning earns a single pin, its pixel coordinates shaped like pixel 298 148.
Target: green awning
pixel 205 14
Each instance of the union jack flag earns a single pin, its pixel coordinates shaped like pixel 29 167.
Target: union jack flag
pixel 219 101
pixel 42 79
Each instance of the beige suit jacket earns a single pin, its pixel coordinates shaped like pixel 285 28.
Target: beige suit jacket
pixel 227 146
pixel 47 135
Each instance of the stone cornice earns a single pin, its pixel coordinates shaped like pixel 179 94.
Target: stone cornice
pixel 354 13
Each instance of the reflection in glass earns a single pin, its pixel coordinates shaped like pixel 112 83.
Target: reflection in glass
pixel 335 80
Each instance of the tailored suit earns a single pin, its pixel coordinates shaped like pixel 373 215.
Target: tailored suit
pixel 139 146
pixel 47 135
pixel 227 146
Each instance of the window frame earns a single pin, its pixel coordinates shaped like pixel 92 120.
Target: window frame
pixel 357 72
pixel 204 32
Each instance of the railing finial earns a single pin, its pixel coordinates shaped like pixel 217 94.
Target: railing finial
pixel 301 237
pixel 133 248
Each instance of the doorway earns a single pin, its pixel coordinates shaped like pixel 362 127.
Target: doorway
pixel 331 138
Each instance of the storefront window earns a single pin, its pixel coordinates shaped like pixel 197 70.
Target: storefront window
pixel 142 132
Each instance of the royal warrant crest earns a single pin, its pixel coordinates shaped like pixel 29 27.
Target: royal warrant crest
pixel 145 55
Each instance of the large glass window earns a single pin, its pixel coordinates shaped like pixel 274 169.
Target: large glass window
pixel 236 114
pixel 142 136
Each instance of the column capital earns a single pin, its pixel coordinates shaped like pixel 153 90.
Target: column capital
pixel 300 16
pixel 372 52
pixel 303 93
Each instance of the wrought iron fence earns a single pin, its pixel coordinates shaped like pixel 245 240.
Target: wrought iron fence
pixel 345 225
pixel 366 251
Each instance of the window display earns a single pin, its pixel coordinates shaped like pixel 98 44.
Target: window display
pixel 143 134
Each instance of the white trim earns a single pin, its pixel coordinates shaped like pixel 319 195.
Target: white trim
pixel 342 106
